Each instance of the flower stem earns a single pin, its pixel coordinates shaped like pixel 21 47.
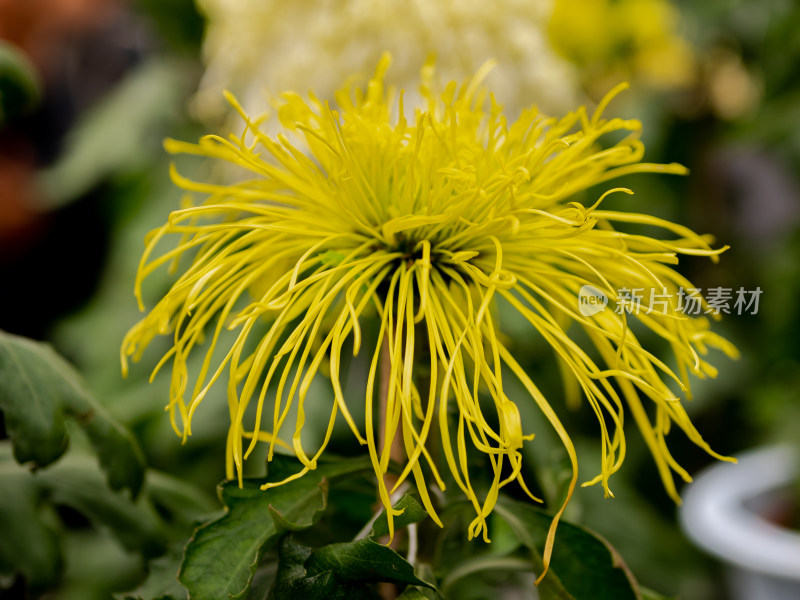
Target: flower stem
pixel 396 453
pixel 388 591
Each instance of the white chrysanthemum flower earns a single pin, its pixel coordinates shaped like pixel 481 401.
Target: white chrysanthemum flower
pixel 257 47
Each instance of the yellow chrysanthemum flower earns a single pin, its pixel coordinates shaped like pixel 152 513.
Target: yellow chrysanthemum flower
pixel 425 222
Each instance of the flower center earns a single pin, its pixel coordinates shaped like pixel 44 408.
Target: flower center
pixel 410 249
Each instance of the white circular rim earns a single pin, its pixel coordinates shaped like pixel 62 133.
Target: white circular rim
pixel 713 513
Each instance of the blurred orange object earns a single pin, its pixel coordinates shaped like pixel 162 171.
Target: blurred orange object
pixel 45 31
pixel 42 27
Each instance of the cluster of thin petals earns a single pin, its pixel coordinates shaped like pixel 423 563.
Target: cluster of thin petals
pixel 424 219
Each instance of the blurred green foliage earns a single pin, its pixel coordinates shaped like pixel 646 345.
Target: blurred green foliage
pixel 86 538
pixel 20 88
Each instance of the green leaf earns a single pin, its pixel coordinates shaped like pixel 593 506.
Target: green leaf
pixel 363 561
pixel 263 579
pixel 413 512
pixel 583 565
pixel 75 481
pixel 26 513
pixel 20 89
pixel 345 570
pixel 486 562
pixel 95 565
pixel 38 559
pixel 292 580
pixel 416 593
pixel 30 401
pixel 181 504
pixel 38 389
pixel 339 571
pixel 221 557
pixel 648 594
pixel 162 580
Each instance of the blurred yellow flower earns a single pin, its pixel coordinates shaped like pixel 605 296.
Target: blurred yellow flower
pixel 612 40
pixel 425 223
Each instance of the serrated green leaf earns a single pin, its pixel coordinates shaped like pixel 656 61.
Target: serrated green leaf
pixel 116 448
pixel 414 592
pixel 583 565
pixel 363 561
pixel 413 512
pixel 221 557
pixel 38 389
pixel 303 513
pixel 292 580
pixel 263 579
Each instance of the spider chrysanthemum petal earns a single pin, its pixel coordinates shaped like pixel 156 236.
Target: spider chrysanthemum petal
pixel 425 222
